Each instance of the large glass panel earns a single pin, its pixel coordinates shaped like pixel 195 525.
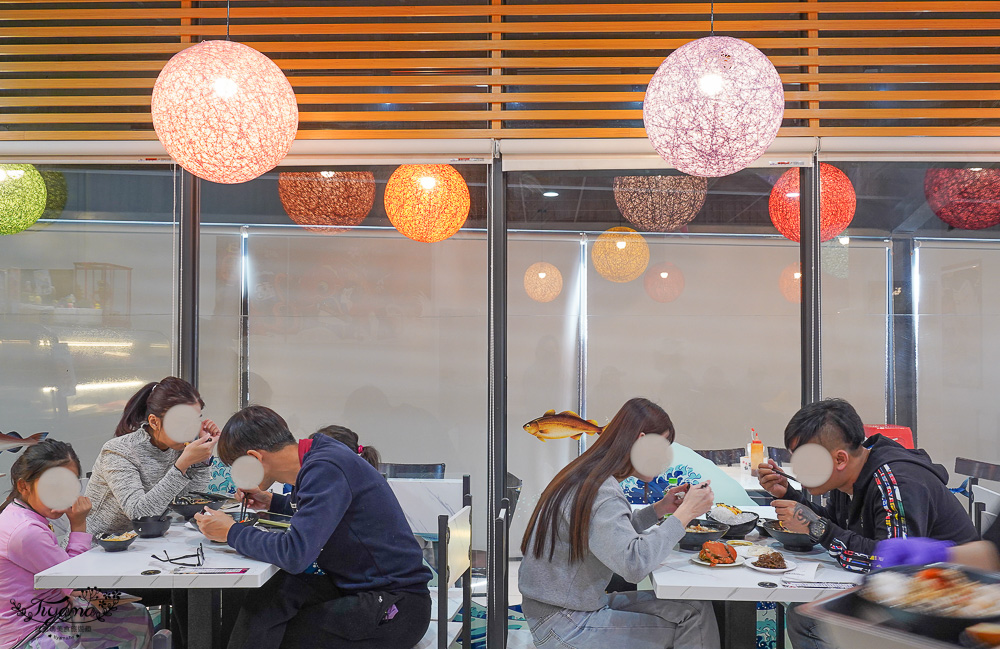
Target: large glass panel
pixel 363 328
pixel 86 304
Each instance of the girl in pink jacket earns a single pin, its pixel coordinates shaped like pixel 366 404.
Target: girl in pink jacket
pixel 54 618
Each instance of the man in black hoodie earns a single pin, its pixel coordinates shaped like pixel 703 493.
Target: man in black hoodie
pixel 878 490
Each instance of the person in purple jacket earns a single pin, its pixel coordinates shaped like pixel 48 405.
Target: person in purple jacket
pixel 352 571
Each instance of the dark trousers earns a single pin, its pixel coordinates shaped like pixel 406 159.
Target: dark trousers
pixel 308 611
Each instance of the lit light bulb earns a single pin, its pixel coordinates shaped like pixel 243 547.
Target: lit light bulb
pixel 225 88
pixel 327 174
pixel 428 182
pixel 710 84
pixel 797 275
pixel 541 275
pixel 13 174
pixel 664 275
pixel 550 194
pixel 844 240
pixel 621 245
pixel 975 168
pixel 792 195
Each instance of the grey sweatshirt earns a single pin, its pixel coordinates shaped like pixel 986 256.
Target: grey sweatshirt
pixel 618 543
pixel 133 478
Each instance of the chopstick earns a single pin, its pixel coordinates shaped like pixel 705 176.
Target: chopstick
pixel 783 474
pixel 243 509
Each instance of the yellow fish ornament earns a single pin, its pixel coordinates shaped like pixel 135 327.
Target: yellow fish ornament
pixel 558 426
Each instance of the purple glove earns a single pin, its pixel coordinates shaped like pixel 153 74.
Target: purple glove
pixel 912 551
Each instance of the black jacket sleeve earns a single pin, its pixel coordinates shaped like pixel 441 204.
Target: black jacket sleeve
pixel 897 504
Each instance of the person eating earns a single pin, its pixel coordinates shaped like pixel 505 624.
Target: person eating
pixel 352 572
pixel 878 490
pixel 583 530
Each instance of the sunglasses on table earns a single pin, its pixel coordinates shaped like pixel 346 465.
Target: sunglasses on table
pixel 198 556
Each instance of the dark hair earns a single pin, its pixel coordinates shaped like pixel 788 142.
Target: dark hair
pixel 830 422
pixel 580 479
pixel 34 461
pixel 350 438
pixel 156 399
pixel 255 428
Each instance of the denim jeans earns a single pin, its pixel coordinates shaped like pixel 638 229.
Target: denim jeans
pixel 804 632
pixel 636 620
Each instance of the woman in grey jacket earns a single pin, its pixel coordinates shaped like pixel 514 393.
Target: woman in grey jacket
pixel 141 470
pixel 583 530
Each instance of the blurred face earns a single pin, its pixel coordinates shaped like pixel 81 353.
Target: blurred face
pixel 155 425
pixel 838 478
pixel 639 475
pixel 30 495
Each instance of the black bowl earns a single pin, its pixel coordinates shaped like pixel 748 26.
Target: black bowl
pixel 150 527
pixel 189 510
pixel 791 540
pixel 694 540
pixel 738 531
pixel 114 546
pixel 249 521
pixel 761 526
pixel 939 627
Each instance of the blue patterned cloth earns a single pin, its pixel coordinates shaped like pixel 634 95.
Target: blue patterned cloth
pixel 221 481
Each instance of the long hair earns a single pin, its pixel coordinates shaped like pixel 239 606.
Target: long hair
pixel 348 437
pixel 580 479
pixel 33 463
pixel 156 398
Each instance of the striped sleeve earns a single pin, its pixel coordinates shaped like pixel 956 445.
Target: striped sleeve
pixel 855 552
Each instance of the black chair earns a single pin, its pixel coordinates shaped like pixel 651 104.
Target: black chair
pixel 393 470
pixel 723 456
pixel 512 492
pixel 779 455
pixel 976 470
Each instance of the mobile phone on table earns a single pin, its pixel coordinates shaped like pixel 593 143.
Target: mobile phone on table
pixel 274 520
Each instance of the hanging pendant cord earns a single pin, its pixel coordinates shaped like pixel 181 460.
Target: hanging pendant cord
pixel 227 20
pixel 712 12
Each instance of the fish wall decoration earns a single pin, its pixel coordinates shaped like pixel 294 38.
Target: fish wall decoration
pixel 561 425
pixel 13 441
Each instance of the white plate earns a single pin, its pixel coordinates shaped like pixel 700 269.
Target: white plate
pixel 791 565
pixel 739 561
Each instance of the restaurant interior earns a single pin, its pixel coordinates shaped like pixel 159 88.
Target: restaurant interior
pixel 557 257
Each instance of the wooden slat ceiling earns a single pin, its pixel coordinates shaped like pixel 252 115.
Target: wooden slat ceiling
pixel 482 69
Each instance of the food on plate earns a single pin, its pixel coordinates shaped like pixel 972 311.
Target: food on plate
pixel 771 561
pixel 191 500
pixel 986 632
pixel 731 515
pixel 124 536
pixel 737 543
pixel 715 552
pixel 945 592
pixel 757 550
pixel 699 528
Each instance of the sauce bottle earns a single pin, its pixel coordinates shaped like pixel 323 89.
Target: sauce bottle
pixel 756 453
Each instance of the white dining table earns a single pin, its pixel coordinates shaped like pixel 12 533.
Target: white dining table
pixel 123 570
pixel 680 578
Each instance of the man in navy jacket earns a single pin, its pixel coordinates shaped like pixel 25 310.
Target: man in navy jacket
pixel 352 572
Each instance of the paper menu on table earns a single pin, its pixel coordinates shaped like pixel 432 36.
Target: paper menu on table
pixel 804 571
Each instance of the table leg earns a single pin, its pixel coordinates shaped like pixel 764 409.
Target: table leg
pixel 737 624
pixel 204 621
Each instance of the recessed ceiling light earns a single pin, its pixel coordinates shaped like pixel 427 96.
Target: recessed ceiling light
pixel 550 194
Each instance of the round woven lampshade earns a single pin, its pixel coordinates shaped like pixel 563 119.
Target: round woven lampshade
pixel 542 282
pixel 713 106
pixel 660 203
pixel 22 197
pixel 620 254
pixel 327 201
pixel 224 111
pixel 790 283
pixel 664 282
pixel 837 202
pixel 56 194
pixel 964 198
pixel 427 202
